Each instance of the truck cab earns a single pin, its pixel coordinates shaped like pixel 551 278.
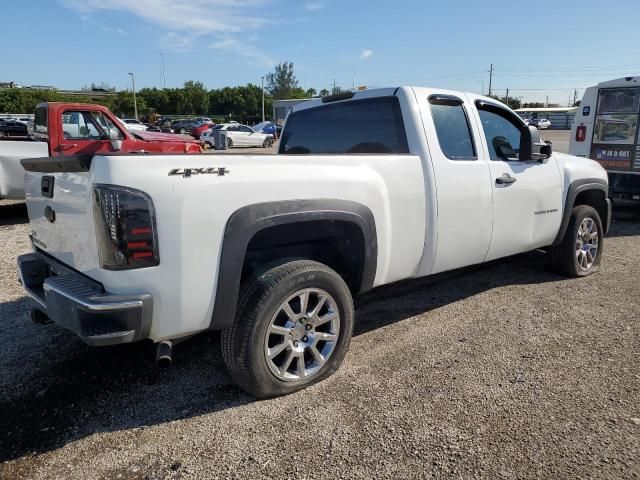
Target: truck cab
pixel 78 128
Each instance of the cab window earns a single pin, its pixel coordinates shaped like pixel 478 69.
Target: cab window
pixel 79 125
pixel 452 128
pixel 502 133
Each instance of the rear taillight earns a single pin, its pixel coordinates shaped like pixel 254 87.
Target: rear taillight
pixel 581 133
pixel 125 228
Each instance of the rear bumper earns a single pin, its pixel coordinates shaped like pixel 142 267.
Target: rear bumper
pixel 81 305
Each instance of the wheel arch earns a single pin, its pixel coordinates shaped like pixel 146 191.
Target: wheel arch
pixel 247 223
pixel 589 191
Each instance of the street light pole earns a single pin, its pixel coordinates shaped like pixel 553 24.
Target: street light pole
pixel 262 83
pixel 135 104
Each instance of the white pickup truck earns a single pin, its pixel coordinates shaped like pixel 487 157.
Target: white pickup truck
pixel 368 188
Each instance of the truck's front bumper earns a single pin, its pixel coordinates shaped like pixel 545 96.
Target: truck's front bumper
pixel 81 305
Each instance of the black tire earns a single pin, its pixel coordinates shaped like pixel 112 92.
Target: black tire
pixel 243 345
pixel 229 143
pixel 209 145
pixel 563 257
pixel 183 131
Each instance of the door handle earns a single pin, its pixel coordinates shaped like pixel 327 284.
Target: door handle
pixel 66 146
pixel 505 179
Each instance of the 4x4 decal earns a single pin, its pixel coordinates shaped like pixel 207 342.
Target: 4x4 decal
pixel 188 172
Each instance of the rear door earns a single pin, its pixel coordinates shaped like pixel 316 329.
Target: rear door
pixel 462 180
pixel 85 131
pixel 527 196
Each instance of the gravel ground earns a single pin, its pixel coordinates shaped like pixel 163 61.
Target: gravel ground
pixel 499 371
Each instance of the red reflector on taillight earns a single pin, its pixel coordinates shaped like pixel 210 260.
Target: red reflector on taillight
pixel 140 231
pixel 137 244
pixel 581 133
pixel 142 254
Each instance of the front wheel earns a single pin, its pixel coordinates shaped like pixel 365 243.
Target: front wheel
pixel 580 251
pixel 292 329
pixel 183 131
pixel 229 143
pixel 267 143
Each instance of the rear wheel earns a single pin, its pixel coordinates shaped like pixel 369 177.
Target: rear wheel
pixel 183 131
pixel 229 143
pixel 580 252
pixel 292 329
pixel 267 143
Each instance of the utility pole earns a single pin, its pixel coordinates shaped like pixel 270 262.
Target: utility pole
pixel 262 83
pixel 490 78
pixel 135 104
pixel 547 104
pixel 354 79
pixel 507 98
pixel 334 86
pixel 162 77
pixel 575 96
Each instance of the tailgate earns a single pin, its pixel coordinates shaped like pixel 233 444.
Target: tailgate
pixel 60 205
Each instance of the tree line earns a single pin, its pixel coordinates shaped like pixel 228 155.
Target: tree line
pixel 191 99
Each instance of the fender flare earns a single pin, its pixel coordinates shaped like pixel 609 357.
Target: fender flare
pixel 577 187
pixel 247 221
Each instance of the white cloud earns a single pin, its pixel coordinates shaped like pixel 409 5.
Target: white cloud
pixel 366 54
pixel 186 20
pixel 313 6
pixel 202 16
pixel 233 46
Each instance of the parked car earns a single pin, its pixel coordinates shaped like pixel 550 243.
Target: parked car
pixel 200 128
pixel 133 125
pixel 13 128
pixel 75 129
pixel 541 123
pixel 183 126
pixel 269 128
pixel 270 249
pixel 238 136
pixel 161 125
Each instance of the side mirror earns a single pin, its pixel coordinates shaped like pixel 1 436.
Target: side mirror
pixel 114 136
pixel 504 149
pixel 532 148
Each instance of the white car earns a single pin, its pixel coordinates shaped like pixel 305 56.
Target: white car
pixel 369 188
pixel 542 124
pixel 238 136
pixel 133 125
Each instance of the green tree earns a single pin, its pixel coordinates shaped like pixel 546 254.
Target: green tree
pixel 282 83
pixel 123 105
pixel 324 92
pixel 196 98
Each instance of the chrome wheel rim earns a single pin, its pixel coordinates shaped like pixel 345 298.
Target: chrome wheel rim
pixel 587 244
pixel 302 334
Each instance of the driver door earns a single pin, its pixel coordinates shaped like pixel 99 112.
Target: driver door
pixel 527 195
pixel 84 132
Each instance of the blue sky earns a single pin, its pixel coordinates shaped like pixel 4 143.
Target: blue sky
pixel 538 48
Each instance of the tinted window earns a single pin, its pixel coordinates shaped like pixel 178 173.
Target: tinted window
pixel 40 122
pixel 498 129
pixel 358 126
pixel 452 127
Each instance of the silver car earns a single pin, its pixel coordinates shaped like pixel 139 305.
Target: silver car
pixel 238 136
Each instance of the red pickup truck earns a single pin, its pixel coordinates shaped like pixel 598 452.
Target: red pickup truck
pixel 65 129
pixel 77 128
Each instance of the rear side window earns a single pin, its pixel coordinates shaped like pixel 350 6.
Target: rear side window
pixel 40 128
pixel 452 128
pixel 357 127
